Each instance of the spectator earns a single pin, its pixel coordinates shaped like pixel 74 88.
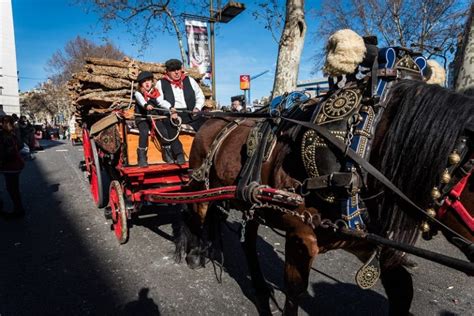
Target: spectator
pixel 38 136
pixel 27 132
pixel 237 103
pixel 16 122
pixel 11 165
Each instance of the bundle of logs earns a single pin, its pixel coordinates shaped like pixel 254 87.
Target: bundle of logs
pixel 105 84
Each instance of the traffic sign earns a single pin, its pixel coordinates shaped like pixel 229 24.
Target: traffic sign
pixel 244 82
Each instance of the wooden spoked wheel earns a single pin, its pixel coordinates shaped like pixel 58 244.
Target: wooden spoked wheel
pixel 119 212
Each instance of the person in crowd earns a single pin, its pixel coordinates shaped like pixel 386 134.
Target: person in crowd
pixel 11 165
pixel 16 121
pixel 181 93
pixel 61 132
pixel 27 132
pixel 38 136
pixel 147 103
pixel 236 105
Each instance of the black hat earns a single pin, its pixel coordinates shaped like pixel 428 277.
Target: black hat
pixel 240 98
pixel 142 76
pixel 173 64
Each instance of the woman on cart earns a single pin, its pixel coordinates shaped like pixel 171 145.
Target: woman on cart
pixel 146 97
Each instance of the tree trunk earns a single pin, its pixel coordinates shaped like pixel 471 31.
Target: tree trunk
pixel 464 61
pixel 290 48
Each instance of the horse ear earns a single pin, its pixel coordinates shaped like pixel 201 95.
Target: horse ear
pixel 345 50
pixel 436 73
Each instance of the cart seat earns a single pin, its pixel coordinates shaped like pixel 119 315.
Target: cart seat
pixel 155 155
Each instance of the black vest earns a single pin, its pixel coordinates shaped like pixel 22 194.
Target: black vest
pixel 189 94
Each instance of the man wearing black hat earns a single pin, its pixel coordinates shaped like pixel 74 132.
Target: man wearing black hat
pixel 180 92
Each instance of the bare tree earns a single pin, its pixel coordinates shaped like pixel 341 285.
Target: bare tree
pixel 146 18
pixel 65 62
pixel 47 101
pixel 431 26
pixel 272 14
pixel 51 98
pixel 34 105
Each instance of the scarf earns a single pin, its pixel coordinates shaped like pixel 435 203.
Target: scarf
pixel 152 94
pixel 177 83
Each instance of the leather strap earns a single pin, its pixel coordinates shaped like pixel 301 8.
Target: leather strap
pixel 387 72
pixel 335 179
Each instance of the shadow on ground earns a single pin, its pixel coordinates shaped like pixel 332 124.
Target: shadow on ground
pixel 143 306
pixel 46 267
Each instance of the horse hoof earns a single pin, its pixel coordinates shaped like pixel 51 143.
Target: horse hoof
pixel 194 261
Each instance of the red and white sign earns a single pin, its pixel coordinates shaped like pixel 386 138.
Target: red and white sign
pixel 244 82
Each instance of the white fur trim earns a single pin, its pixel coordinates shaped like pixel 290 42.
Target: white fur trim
pixel 436 73
pixel 345 50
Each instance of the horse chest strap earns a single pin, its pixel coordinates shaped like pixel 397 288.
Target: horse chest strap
pixel 201 174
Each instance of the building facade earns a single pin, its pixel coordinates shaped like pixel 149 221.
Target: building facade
pixel 9 98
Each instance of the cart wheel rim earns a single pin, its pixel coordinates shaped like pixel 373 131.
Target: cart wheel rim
pixel 96 177
pixel 86 146
pixel 119 214
pixel 94 184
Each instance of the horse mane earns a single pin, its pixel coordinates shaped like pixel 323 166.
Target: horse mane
pixel 427 120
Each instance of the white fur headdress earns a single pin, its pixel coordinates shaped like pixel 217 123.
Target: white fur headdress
pixel 345 50
pixel 436 73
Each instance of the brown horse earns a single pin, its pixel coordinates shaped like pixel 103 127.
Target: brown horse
pixel 413 140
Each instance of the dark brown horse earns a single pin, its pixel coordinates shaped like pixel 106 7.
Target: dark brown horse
pixel 413 140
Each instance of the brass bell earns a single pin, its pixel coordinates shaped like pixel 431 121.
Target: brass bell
pixel 445 176
pixel 435 194
pixel 431 212
pixel 454 158
pixel 425 227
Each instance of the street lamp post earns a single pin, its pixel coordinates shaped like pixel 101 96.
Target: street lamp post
pixel 222 15
pixel 213 47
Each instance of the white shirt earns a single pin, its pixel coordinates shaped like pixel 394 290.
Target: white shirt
pixel 179 102
pixel 140 99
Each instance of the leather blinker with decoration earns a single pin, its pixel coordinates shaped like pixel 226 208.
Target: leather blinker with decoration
pixel 351 113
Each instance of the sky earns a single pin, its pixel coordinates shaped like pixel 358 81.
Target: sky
pixel 243 46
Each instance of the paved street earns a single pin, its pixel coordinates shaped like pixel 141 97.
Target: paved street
pixel 64 259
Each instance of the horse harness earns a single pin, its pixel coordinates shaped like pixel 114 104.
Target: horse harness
pixel 351 114
pixel 346 119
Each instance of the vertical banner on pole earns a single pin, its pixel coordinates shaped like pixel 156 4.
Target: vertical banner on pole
pixel 198 46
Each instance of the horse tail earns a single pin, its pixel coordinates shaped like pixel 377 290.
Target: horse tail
pixel 426 121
